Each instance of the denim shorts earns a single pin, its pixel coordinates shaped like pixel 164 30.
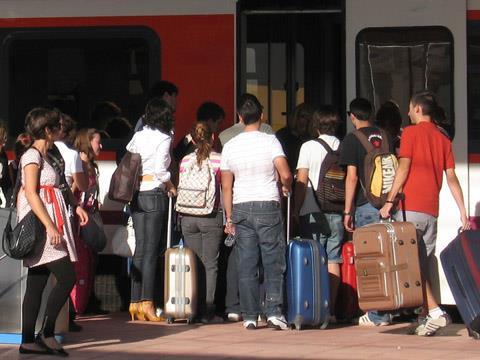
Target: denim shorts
pixel 329 233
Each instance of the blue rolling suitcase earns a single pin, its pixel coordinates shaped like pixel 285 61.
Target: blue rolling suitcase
pixel 461 264
pixel 308 291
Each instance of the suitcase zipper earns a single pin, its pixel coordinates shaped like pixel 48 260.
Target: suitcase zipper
pixel 393 237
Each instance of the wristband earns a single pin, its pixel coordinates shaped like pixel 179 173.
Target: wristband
pixel 389 201
pixel 347 213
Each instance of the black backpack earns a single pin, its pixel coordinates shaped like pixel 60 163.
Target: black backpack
pixel 330 193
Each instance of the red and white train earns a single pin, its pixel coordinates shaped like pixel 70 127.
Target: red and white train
pixel 77 53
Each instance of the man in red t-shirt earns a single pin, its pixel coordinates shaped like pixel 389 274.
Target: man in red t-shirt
pixel 425 153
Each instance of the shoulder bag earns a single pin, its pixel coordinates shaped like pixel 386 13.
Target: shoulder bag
pixel 19 241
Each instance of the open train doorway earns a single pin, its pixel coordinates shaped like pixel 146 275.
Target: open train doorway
pixel 292 54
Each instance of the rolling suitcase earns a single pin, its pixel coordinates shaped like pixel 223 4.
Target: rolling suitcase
pixel 346 307
pixel 308 291
pixel 180 279
pixel 387 266
pixel 461 264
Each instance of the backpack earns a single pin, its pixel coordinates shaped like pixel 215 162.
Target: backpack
pixel 330 193
pixel 380 166
pixel 125 179
pixel 196 188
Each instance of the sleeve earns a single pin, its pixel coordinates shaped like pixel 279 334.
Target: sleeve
pixel 224 166
pixel 185 160
pixel 276 147
pixel 348 151
pixel 406 144
pixel 131 146
pixel 303 157
pixel 162 160
pixel 76 164
pixel 31 156
pixel 450 158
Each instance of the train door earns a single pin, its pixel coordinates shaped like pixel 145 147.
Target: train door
pixel 395 48
pixel 291 54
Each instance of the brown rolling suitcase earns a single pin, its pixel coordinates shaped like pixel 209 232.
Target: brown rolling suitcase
pixel 387 265
pixel 180 279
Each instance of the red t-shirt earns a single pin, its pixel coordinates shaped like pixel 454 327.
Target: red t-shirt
pixel 431 154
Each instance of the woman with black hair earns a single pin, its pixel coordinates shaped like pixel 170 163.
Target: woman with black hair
pixel 149 206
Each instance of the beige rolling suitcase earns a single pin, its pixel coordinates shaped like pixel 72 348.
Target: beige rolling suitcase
pixel 180 279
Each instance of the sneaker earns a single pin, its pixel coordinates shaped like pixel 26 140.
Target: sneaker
pixel 250 324
pixel 262 318
pixel 364 320
pixel 234 317
pixel 430 326
pixel 277 322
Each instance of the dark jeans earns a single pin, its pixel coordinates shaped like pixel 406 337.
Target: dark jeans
pixel 149 214
pixel 203 235
pixel 232 299
pixel 37 278
pixel 260 237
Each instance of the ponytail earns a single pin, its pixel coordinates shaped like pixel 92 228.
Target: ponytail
pixel 202 137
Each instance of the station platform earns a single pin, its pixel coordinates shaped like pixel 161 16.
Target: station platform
pixel 115 337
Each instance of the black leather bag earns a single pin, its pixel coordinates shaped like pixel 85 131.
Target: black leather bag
pixel 20 241
pixel 92 232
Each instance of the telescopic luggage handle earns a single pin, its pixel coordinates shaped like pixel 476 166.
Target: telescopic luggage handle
pixel 288 216
pixel 169 223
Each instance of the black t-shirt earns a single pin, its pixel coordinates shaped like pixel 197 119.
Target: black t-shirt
pixel 291 145
pixel 353 153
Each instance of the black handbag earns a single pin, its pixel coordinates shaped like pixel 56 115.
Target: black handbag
pixel 18 242
pixel 92 232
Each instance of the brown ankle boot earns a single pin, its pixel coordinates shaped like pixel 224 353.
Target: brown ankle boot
pixel 149 311
pixel 136 312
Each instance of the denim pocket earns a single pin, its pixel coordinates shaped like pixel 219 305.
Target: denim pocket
pixel 151 202
pixel 270 219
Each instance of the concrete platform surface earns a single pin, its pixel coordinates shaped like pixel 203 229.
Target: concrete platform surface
pixel 115 337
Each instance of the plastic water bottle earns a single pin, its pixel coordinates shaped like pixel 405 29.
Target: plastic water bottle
pixel 230 240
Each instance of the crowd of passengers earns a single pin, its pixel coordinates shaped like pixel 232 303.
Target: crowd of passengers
pixel 254 170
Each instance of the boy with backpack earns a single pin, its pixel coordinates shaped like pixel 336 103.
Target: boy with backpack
pixel 319 218
pixel 363 193
pixel 425 154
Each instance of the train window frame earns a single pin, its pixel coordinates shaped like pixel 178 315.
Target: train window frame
pixel 409 36
pixel 9 37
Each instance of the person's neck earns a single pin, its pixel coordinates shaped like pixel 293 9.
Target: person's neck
pixel 362 124
pixel 424 119
pixel 252 127
pixel 41 145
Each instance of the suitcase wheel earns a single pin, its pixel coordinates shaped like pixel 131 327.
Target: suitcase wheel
pixel 298 326
pixel 473 334
pixel 170 320
pixel 190 320
pixel 324 325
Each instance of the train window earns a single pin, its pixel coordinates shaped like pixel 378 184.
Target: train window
pixel 473 76
pixel 394 63
pixel 75 69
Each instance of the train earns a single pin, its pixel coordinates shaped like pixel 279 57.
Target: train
pixel 77 53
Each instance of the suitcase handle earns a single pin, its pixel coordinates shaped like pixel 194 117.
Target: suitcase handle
pixel 289 197
pixel 169 223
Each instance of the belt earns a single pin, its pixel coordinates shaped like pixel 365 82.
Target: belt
pixel 51 198
pixel 147 177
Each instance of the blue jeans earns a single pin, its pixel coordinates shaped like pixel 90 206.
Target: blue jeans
pixel 259 230
pixel 312 227
pixel 364 215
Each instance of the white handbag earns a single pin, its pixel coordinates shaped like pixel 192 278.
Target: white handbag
pixel 123 240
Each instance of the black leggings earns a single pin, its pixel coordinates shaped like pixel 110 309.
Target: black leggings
pixel 36 281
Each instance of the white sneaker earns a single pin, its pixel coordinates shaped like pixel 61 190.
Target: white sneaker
pixel 430 326
pixel 277 322
pixel 250 324
pixel 234 317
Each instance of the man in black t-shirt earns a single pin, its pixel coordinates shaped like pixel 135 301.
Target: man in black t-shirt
pixel 358 211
